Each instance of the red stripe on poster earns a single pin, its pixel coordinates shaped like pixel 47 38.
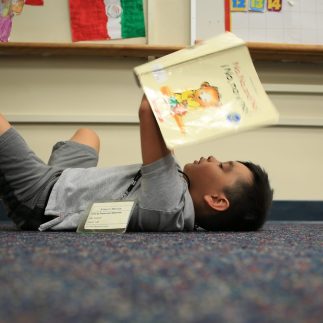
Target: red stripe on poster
pixel 88 20
pixel 35 2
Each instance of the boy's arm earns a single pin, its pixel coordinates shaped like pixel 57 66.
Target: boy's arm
pixel 153 146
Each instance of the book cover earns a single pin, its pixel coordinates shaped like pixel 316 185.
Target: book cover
pixel 206 91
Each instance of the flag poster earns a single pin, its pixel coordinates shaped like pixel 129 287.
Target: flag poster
pixel 106 19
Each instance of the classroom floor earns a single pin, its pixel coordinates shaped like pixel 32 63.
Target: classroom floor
pixel 274 275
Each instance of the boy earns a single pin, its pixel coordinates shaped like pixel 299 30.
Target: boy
pixel 208 193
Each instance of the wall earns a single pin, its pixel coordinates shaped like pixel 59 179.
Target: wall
pixel 51 91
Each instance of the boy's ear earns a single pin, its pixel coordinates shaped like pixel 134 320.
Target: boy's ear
pixel 217 202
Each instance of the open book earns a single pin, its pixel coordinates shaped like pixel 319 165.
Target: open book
pixel 206 91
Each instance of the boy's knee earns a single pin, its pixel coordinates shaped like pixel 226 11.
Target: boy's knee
pixel 87 136
pixel 4 124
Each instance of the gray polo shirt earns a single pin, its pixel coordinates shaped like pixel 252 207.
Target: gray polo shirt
pixel 163 202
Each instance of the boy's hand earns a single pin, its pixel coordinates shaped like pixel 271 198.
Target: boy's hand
pixel 153 146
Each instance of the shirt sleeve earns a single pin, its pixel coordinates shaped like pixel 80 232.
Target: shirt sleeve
pixel 164 203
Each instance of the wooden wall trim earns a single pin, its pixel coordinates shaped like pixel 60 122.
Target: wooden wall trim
pixel 258 51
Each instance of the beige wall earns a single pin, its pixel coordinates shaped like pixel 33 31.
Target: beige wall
pixel 47 98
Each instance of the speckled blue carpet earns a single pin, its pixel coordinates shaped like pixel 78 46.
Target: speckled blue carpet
pixel 274 275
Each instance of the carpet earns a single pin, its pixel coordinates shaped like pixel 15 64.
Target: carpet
pixel 273 275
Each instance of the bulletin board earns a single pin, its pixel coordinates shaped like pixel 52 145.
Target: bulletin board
pixel 277 21
pixel 264 21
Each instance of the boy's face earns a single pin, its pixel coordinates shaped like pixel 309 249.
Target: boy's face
pixel 210 176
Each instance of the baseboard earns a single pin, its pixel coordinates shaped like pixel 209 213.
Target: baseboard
pixel 297 211
pixel 281 211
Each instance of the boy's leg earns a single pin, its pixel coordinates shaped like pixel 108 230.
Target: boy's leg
pixel 87 137
pixel 80 151
pixel 4 124
pixel 25 180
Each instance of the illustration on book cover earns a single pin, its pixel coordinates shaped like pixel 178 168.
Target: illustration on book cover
pixel 181 103
pixel 220 103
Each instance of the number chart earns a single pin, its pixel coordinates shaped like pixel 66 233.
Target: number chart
pixel 276 21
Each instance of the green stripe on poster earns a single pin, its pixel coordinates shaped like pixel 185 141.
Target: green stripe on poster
pixel 132 20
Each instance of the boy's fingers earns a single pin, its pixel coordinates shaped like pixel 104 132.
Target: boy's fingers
pixel 144 102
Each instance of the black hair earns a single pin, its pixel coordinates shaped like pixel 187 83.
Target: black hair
pixel 249 204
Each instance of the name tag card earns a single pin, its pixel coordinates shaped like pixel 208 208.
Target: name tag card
pixel 107 217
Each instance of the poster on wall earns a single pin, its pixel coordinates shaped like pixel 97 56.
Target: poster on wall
pixel 9 9
pixel 108 19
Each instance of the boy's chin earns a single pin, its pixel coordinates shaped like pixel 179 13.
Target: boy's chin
pixel 187 167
